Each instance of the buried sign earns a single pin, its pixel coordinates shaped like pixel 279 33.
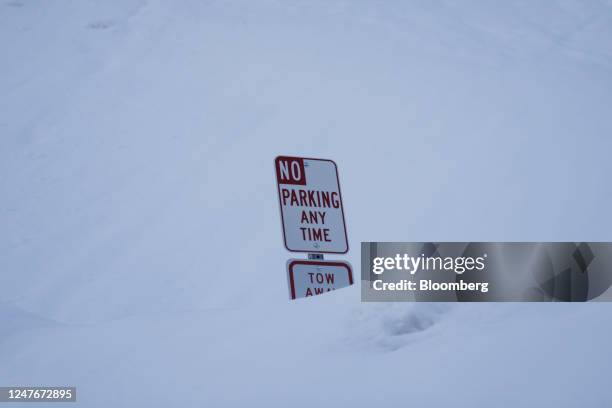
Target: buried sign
pixel 311 205
pixel 315 277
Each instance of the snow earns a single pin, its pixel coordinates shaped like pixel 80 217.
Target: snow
pixel 141 253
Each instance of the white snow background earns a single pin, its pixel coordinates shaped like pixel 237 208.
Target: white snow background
pixel 141 257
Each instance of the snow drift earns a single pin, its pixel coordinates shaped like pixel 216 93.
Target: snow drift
pixel 141 257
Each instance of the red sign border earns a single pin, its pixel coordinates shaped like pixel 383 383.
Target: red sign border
pixel 280 203
pixel 291 263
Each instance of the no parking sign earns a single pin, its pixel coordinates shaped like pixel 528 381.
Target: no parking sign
pixel 311 207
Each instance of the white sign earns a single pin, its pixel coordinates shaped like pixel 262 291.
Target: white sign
pixel 315 277
pixel 311 205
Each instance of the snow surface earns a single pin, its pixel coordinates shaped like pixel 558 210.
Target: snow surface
pixel 140 247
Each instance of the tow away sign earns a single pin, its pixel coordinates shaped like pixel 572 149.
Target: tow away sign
pixel 315 277
pixel 311 205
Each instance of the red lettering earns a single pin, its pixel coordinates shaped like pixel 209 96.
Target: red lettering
pixel 315 234
pixel 325 199
pixel 303 196
pixel 294 200
pixel 310 198
pixel 322 215
pixel 335 200
pixel 285 194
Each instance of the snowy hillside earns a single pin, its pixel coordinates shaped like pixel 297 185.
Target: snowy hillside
pixel 141 257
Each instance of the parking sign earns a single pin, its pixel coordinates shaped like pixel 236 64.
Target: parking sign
pixel 311 207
